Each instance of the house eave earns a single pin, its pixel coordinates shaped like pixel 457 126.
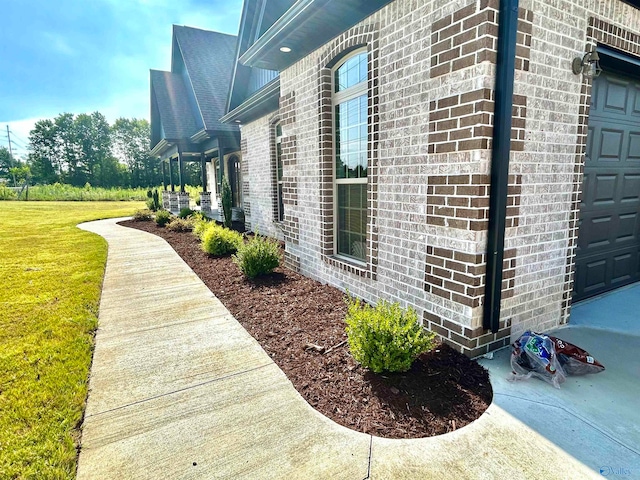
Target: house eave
pixel 200 136
pixel 306 26
pixel 160 147
pixel 260 103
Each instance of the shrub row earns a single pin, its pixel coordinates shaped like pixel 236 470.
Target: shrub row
pixel 384 338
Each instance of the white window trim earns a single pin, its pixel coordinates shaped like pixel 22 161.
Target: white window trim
pixel 354 91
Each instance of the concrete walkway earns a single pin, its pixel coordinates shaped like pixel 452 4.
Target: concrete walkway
pixel 179 390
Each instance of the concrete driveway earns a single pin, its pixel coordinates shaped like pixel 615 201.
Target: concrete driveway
pixel 594 418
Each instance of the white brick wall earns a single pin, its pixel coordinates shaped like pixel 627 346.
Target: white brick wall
pixel 406 169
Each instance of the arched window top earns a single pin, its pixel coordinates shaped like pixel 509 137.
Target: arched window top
pixel 352 71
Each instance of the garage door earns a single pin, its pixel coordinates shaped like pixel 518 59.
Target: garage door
pixel 609 229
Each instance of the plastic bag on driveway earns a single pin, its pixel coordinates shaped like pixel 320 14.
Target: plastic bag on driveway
pixel 549 358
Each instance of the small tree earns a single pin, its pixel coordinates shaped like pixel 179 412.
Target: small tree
pixel 226 202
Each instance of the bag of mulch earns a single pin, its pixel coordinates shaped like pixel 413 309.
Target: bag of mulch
pixel 574 360
pixel 549 358
pixel 534 355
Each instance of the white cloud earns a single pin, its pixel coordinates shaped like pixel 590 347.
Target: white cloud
pixel 58 44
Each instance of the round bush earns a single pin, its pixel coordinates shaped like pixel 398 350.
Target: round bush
pixel 143 215
pixel 217 240
pixel 385 337
pixel 163 217
pixel 259 256
pixel 180 225
pixel 185 212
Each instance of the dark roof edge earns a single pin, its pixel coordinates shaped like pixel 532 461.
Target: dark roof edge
pixel 294 15
pixel 160 147
pixel 189 77
pixel 241 34
pixel 270 90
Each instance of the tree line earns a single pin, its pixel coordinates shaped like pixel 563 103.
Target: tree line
pixel 85 148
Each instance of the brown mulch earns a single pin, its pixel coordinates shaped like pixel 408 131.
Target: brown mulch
pixel 286 312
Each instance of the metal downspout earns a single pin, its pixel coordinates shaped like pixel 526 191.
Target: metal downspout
pixel 501 149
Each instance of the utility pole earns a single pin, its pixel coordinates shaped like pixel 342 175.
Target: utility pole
pixel 10 150
pixel 11 156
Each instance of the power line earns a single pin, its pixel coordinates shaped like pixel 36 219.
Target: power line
pixel 19 138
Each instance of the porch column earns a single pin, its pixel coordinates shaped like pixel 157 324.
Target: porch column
pixel 164 175
pixel 180 170
pixel 173 188
pixel 223 167
pixel 203 168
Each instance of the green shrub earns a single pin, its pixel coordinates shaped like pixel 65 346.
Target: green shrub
pixel 151 205
pixel 217 240
pixel 385 337
pixel 143 215
pixel 185 212
pixel 226 202
pixel 259 256
pixel 199 227
pixel 178 224
pixel 163 217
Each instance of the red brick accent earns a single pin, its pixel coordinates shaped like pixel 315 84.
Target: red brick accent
pixel 461 277
pixel 246 198
pixel 462 201
pixel 465 122
pixel 470 36
pixel 471 342
pixel 363 35
pixel 289 189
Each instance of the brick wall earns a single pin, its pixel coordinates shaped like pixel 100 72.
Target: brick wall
pixel 432 70
pixel 258 157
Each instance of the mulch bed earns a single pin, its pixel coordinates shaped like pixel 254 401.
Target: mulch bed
pixel 286 312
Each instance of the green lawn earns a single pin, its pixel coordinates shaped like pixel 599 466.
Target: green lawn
pixel 50 279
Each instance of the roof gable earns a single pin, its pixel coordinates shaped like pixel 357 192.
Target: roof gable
pixel 257 16
pixel 208 59
pixel 170 109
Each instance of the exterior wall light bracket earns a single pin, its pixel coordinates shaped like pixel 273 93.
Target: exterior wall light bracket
pixel 588 65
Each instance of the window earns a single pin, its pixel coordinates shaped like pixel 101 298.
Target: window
pixel 350 130
pixel 279 182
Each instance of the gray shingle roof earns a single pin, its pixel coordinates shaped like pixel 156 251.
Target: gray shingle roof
pixel 173 105
pixel 209 58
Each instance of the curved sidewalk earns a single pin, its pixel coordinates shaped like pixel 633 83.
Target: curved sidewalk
pixel 179 390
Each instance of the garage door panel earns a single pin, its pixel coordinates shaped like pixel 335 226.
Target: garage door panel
pixel 627 230
pixel 616 95
pixel 607 254
pixel 624 269
pixel 605 189
pixel 630 188
pixel 633 150
pixel 610 145
pixel 600 273
pixel 636 100
pixel 597 230
pixel 604 232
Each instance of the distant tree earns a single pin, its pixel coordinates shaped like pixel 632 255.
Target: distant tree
pixel 44 159
pixel 86 149
pixel 6 163
pixel 68 150
pixel 92 135
pixel 19 173
pixel 131 145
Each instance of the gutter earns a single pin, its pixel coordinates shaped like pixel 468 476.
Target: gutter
pixel 290 16
pixel 269 90
pixel 501 150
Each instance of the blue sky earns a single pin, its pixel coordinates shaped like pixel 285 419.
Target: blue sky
pixel 80 56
